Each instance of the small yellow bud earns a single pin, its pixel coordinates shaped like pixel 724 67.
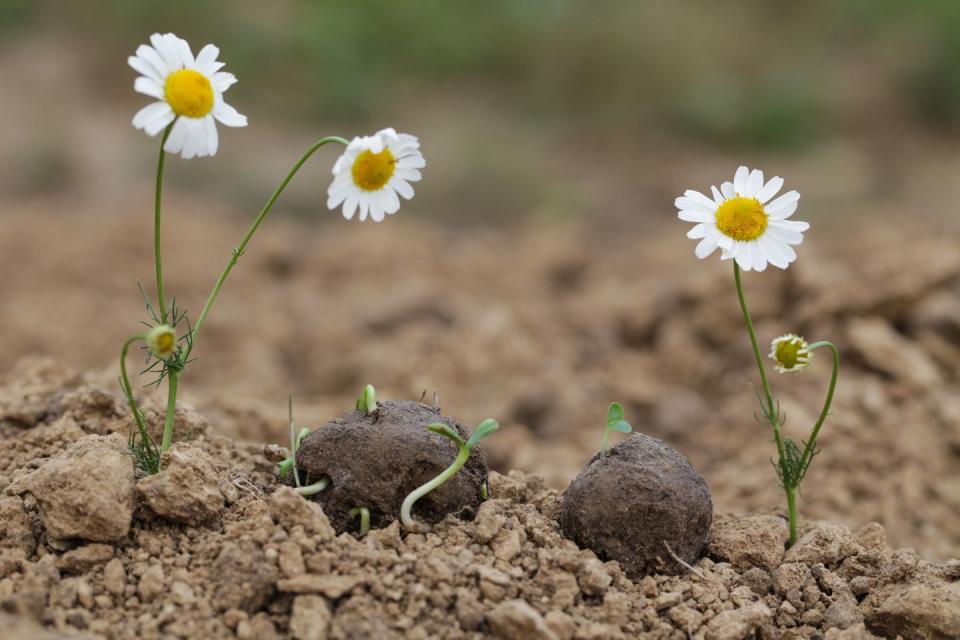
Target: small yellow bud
pixel 791 353
pixel 162 341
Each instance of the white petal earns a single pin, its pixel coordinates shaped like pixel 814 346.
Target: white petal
pixel 336 194
pixel 402 186
pixel 700 231
pixel 744 257
pixel 143 66
pixel 376 207
pixel 740 180
pixel 186 55
pixel 350 206
pixel 754 183
pixel 727 190
pixel 759 257
pixel 704 202
pixel 770 189
pixel 785 236
pixel 706 246
pixel 783 211
pixel 206 60
pixel 167 51
pixel 410 175
pixel 213 139
pixel 391 203
pixel 696 216
pixel 148 87
pixel 221 81
pixel 686 203
pixel 177 137
pixel 793 225
pixel 227 114
pixel 153 117
pixel 771 248
pixel 788 198
pixel 717 196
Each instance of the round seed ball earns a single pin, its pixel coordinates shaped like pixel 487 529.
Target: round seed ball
pixel 375 460
pixel 632 503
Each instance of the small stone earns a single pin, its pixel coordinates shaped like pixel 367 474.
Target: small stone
pixel 151 583
pixel 86 491
pixel 686 618
pixel 738 624
pixel 751 541
pixel 758 580
pixel 289 509
pixel 16 531
pixel 926 608
pixel 841 615
pixel 667 600
pixel 790 575
pixel 291 560
pixel 187 488
pixel 182 593
pixel 331 586
pixel 244 577
pixel 593 578
pixel 517 620
pixel 310 619
pixel 114 577
pixel 562 625
pixel 826 544
pixel 861 585
pixel 489 521
pixel 508 544
pixel 84 558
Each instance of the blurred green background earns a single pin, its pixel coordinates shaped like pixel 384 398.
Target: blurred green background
pixel 550 109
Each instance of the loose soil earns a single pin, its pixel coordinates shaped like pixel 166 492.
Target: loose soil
pixel 215 548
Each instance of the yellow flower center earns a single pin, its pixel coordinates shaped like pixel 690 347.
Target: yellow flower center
pixel 189 93
pixel 165 342
pixel 787 353
pixel 372 171
pixel 742 219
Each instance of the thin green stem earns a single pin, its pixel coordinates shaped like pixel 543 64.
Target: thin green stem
pixel 405 518
pixel 172 379
pixel 771 408
pixel 792 513
pixel 239 249
pixel 125 383
pixel 315 488
pixel 161 296
pixel 810 447
pixel 293 439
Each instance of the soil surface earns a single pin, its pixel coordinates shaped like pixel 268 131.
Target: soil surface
pixel 214 548
pixel 641 504
pixel 375 460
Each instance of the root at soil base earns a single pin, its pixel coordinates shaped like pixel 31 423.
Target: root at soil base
pixel 270 565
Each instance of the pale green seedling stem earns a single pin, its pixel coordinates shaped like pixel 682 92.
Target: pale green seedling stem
pixel 158 259
pixel 483 430
pixel 364 514
pixel 315 488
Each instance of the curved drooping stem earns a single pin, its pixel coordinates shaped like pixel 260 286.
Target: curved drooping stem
pixel 157 256
pixel 810 448
pixel 364 514
pixel 125 384
pixel 315 488
pixel 239 249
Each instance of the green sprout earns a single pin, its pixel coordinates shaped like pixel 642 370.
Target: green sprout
pixel 364 514
pixel 615 422
pixel 484 491
pixel 484 429
pixel 367 402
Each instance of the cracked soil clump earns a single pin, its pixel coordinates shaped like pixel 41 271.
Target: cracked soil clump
pixel 629 504
pixel 375 460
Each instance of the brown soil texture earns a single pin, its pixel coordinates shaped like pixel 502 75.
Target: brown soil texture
pixel 641 504
pixel 375 460
pixel 234 555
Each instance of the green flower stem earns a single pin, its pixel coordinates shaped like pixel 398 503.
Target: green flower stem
pixel 172 379
pixel 771 407
pixel 792 513
pixel 364 514
pixel 405 518
pixel 239 249
pixel 125 383
pixel 810 447
pixel 161 297
pixel 315 488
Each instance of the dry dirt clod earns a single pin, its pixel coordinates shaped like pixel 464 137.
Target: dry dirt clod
pixel 627 504
pixel 375 460
pixel 86 491
pixel 517 620
pixel 16 532
pixel 310 619
pixel 187 488
pixel 753 541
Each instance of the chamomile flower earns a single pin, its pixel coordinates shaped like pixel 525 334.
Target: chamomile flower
pixel 745 221
pixel 162 341
pixel 372 172
pixel 791 353
pixel 189 93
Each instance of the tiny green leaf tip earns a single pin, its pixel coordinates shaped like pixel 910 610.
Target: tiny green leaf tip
pixel 614 413
pixel 367 402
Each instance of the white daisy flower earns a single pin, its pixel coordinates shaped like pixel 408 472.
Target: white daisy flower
pixel 744 221
pixel 373 171
pixel 791 353
pixel 188 90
